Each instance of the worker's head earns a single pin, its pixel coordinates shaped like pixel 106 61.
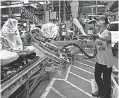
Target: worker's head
pixel 102 19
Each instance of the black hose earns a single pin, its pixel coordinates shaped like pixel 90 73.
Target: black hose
pixel 82 50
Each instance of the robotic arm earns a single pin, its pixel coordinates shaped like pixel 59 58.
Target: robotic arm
pixel 74 11
pixel 78 25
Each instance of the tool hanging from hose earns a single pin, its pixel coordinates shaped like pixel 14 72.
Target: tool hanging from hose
pixel 81 48
pixel 74 7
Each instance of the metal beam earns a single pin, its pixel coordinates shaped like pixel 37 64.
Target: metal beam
pixel 91 6
pixel 9 6
pixel 15 5
pixel 49 53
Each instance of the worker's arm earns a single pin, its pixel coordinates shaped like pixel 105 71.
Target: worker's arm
pixel 106 36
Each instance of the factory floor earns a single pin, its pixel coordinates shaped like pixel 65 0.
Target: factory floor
pixel 74 82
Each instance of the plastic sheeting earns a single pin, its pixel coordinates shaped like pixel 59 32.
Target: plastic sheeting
pixel 49 30
pixel 6 57
pixel 10 35
pixel 29 48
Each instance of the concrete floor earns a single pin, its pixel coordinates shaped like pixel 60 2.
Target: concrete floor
pixel 74 82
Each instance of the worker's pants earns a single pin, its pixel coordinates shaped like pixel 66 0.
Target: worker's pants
pixel 104 82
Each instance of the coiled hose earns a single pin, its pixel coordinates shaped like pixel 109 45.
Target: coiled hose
pixel 82 50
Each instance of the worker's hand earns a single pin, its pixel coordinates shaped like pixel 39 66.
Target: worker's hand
pixel 85 21
pixel 93 36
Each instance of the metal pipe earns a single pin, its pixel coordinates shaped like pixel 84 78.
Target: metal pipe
pixel 52 6
pixel 92 11
pixel 52 10
pixel 0 37
pixel 96 8
pixel 0 17
pixel 44 11
pixel 59 11
pixel 64 12
pixel 96 16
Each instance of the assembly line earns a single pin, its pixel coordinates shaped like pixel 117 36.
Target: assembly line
pixel 59 49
